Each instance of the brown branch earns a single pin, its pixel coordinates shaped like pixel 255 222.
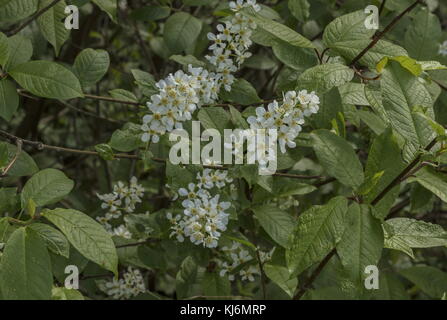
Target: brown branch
pixel 33 17
pixel 379 35
pixel 41 146
pixel 402 175
pixel 110 99
pixel 14 159
pixel 314 275
pixel 382 6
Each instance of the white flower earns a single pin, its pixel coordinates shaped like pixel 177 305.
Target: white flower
pixel 443 48
pixel 204 217
pixel 287 118
pixel 130 285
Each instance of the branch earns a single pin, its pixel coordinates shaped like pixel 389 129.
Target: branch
pixel 41 146
pixel 33 17
pixel 402 175
pixel 314 275
pixel 378 36
pixel 11 163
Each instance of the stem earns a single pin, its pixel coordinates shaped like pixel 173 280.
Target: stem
pixel 19 144
pixel 381 34
pixel 314 275
pixel 402 175
pixel 261 269
pixel 41 146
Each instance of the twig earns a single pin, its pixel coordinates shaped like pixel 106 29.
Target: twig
pixel 19 144
pixel 314 275
pixel 263 279
pixel 382 6
pixel 41 146
pixel 33 17
pixel 110 99
pixel 379 35
pixel 401 176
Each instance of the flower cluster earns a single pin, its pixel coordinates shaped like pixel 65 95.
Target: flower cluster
pixel 129 286
pixel 238 256
pixel 287 117
pixel 443 48
pixel 230 45
pixel 204 217
pixel 124 198
pixel 180 94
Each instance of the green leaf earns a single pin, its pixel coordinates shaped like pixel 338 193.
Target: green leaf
pixel 384 156
pixel 435 182
pixel 54 239
pixel 47 79
pixel 24 164
pixel 9 202
pixel 46 187
pixel 86 235
pixel 294 57
pixel 214 285
pixel 105 151
pixel 6 229
pixel 404 234
pixel 4 49
pixel 26 267
pixel 362 241
pixel 277 223
pixel 390 288
pixel 108 6
pixel 242 92
pixel 299 9
pixel 283 188
pixel 9 99
pixel 91 65
pixel 406 62
pixel 278 30
pixel 181 32
pixel 123 95
pixel 281 276
pixel 430 280
pixel 187 60
pixel 66 294
pixel 401 92
pixel 318 231
pixel 214 118
pixel 20 51
pixel 324 77
pixel 150 13
pixel 126 139
pixel 432 65
pixel 237 118
pixel 348 36
pixel 145 81
pixel 51 24
pixel 423 36
pixel 353 93
pixel 338 158
pixel 14 10
pixel 186 278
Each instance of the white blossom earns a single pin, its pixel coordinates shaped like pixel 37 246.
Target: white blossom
pixel 443 48
pixel 287 117
pixel 130 285
pixel 204 216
